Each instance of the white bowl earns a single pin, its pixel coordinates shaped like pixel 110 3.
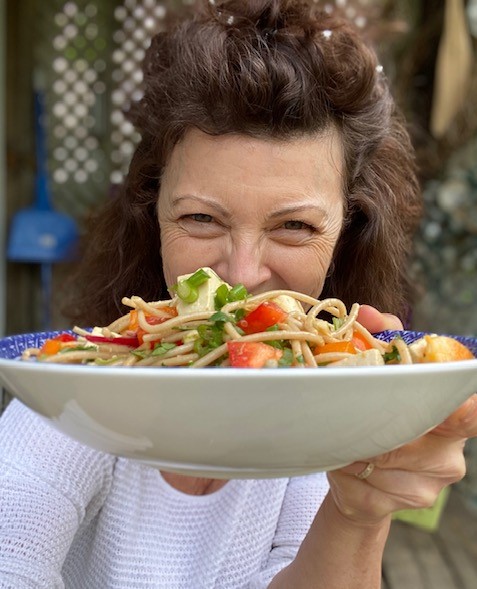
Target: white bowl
pixel 239 423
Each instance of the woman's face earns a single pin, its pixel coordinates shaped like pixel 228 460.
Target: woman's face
pixel 261 212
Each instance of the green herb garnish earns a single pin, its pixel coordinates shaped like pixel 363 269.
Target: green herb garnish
pixel 224 295
pixel 210 337
pixel 161 349
pixel 237 293
pixel 198 278
pixel 240 314
pixel 337 323
pixel 220 317
pixel 221 295
pixel 186 292
pixel 287 359
pixel 392 356
pixel 141 353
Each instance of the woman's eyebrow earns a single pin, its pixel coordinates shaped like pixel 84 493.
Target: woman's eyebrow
pixel 204 200
pixel 298 209
pixel 290 210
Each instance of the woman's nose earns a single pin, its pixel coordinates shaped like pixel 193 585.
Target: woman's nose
pixel 245 264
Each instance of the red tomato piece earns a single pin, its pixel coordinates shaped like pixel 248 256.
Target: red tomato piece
pixel 263 317
pixel 251 354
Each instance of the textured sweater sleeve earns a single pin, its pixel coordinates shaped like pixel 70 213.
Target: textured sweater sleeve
pixel 302 500
pixel 49 486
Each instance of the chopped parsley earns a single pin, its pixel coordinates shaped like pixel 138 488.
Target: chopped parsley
pixel 163 348
pixel 392 356
pixel 287 359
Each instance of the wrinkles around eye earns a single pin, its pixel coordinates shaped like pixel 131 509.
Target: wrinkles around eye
pixel 201 225
pixel 298 236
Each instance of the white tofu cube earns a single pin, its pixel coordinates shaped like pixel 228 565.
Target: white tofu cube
pixel 206 299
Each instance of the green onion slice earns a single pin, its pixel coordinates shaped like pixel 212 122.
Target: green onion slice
pixel 221 296
pixel 198 278
pixel 186 292
pixel 237 293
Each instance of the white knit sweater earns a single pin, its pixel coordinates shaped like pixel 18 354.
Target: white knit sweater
pixel 76 518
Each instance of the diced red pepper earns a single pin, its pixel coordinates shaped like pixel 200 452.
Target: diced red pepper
pixel 132 342
pixel 251 354
pixel 264 316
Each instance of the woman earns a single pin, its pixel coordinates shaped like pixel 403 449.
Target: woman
pixel 271 151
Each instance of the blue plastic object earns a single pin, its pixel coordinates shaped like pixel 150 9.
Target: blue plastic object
pixel 41 237
pixel 40 234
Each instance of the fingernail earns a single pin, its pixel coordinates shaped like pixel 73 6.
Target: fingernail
pixel 394 320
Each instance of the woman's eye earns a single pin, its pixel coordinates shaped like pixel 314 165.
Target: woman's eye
pixel 201 225
pixel 298 226
pixel 200 218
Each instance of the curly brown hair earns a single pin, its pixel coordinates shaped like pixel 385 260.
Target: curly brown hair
pixel 264 68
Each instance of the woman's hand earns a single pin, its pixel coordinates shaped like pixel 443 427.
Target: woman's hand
pixel 345 543
pixel 410 476
pixel 375 321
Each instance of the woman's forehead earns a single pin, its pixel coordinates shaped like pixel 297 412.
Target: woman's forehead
pixel 244 176
pixel 207 158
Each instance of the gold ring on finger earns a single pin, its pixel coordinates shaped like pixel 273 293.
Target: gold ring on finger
pixel 366 472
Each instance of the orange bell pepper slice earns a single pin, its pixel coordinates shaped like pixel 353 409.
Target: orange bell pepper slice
pixel 360 342
pixel 345 347
pixel 53 345
pixel 50 347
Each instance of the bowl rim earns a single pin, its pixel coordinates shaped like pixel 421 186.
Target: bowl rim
pixel 244 374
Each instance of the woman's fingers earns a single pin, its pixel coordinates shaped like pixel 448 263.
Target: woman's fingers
pixel 462 423
pixel 409 477
pixel 431 454
pixel 375 321
pixel 386 491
